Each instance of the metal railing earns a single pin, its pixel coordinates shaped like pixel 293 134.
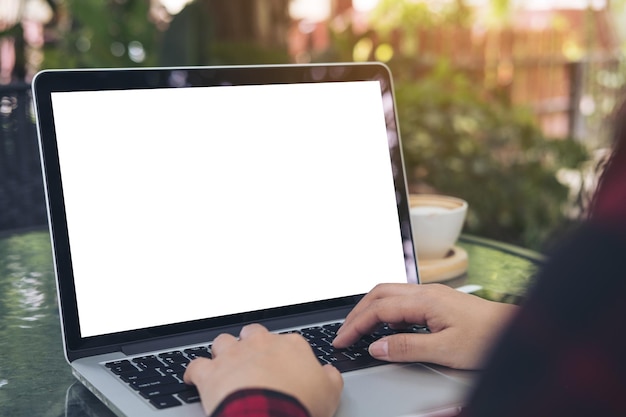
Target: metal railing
pixel 22 201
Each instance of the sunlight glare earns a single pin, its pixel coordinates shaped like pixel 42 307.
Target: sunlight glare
pixel 311 10
pixel 174 6
pixel 364 5
pixel 384 52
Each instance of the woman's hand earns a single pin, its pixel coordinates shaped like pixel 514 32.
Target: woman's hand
pixel 260 359
pixel 463 327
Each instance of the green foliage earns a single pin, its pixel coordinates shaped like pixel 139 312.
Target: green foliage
pixel 120 33
pixel 408 15
pixel 461 141
pixel 97 33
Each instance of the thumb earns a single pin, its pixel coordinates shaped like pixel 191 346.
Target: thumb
pixel 400 347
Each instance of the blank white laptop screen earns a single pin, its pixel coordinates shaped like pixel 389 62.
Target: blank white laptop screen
pixel 189 203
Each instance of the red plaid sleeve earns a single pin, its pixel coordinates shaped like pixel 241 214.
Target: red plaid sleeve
pixel 260 403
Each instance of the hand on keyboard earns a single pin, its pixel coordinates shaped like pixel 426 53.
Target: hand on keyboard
pixel 462 326
pixel 261 359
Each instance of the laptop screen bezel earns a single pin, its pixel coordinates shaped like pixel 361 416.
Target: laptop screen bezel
pixel 48 82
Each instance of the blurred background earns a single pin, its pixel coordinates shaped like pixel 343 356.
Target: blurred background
pixel 505 103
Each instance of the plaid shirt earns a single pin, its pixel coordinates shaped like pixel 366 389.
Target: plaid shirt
pixel 260 403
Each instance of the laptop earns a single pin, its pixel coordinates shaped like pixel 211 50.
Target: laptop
pixel 188 202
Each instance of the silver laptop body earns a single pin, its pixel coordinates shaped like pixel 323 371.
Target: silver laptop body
pixel 187 202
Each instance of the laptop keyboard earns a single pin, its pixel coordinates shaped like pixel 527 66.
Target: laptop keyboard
pixel 159 378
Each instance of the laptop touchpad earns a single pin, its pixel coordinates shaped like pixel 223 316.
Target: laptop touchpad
pixel 394 390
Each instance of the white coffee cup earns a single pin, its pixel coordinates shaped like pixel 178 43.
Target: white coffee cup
pixel 436 223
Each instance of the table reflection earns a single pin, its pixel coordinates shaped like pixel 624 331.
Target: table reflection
pixel 33 374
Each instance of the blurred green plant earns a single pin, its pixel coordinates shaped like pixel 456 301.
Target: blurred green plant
pixel 460 140
pixel 408 15
pixel 127 33
pixel 96 33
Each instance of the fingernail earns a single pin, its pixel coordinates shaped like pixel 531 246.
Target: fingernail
pixel 379 349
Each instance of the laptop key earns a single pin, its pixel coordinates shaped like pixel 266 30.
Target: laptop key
pixel 337 357
pixel 356 353
pixel 190 395
pixel 332 327
pixel 137 374
pixel 166 401
pixel 160 390
pixel 322 361
pixel 313 333
pixel 197 352
pixel 148 362
pixel 149 383
pixel 120 367
pixel 176 368
pixel 122 362
pixel 175 357
pixel 353 365
pixel 326 341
